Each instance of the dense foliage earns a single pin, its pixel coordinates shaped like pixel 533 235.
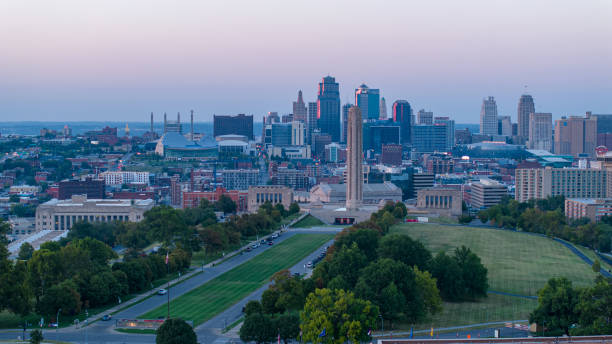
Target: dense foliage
pixel 175 331
pixel 366 274
pixel 546 216
pixel 576 311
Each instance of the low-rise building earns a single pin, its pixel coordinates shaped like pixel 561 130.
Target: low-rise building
pixel 274 194
pixel 125 177
pixel 63 214
pixel 94 189
pixel 240 179
pixel 24 190
pixel 372 193
pixel 487 193
pixel 594 209
pixel 192 199
pixel 441 201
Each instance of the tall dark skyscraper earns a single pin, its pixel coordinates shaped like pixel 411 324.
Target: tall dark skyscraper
pixel 402 114
pixel 525 108
pixel 328 106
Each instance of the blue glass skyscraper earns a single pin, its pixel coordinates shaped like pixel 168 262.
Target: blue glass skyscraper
pixel 368 100
pixel 328 107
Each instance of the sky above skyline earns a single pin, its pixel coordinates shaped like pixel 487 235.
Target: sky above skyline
pixel 120 60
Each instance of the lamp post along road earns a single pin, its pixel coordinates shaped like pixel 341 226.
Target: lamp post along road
pixel 57 320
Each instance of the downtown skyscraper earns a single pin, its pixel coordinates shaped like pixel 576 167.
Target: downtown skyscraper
pixel 488 117
pixel 368 100
pixel 402 114
pixel 328 108
pixel 299 109
pixel 526 107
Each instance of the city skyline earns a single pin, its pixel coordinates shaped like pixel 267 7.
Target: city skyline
pixel 120 61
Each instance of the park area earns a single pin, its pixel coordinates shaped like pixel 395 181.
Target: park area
pixel 517 263
pixel 208 300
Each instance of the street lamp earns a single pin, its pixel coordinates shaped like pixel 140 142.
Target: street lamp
pixel 86 321
pixel 57 320
pixel 382 322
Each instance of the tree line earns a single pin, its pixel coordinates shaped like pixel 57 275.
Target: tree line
pixel 565 309
pixel 367 275
pixel 83 271
pixel 547 216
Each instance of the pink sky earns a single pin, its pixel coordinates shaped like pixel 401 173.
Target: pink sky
pixel 116 60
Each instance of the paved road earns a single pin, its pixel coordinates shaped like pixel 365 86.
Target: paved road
pixel 209 332
pixel 102 332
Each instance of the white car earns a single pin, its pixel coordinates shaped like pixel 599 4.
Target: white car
pixel 162 292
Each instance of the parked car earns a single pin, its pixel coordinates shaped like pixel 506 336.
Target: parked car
pixel 270 243
pixel 274 236
pixel 309 265
pixel 162 292
pixel 263 241
pixel 106 317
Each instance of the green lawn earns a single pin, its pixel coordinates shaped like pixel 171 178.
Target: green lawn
pixel 308 221
pixel 517 263
pixel 218 294
pixel 493 308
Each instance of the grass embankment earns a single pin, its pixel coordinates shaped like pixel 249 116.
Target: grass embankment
pixel 517 263
pixel 308 221
pixel 220 293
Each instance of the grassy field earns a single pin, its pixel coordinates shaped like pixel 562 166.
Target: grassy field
pixel 308 221
pixel 218 294
pixel 517 263
pixel 493 308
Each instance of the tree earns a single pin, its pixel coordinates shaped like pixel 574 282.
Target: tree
pixel 404 249
pixel 428 291
pixel 287 325
pixel 36 336
pixel 596 266
pixel 5 229
pixel 64 296
pixel 257 328
pixel 595 309
pixel 175 331
pixel 465 219
pixel 226 205
pixel 252 307
pixel 347 262
pixel 390 285
pixel 366 240
pixel 473 272
pixel 556 305
pixel 340 314
pixel 269 299
pixel 449 277
pixel 165 224
pixel 25 251
pixel 294 208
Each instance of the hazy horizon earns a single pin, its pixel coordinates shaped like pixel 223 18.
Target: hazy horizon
pixel 69 60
